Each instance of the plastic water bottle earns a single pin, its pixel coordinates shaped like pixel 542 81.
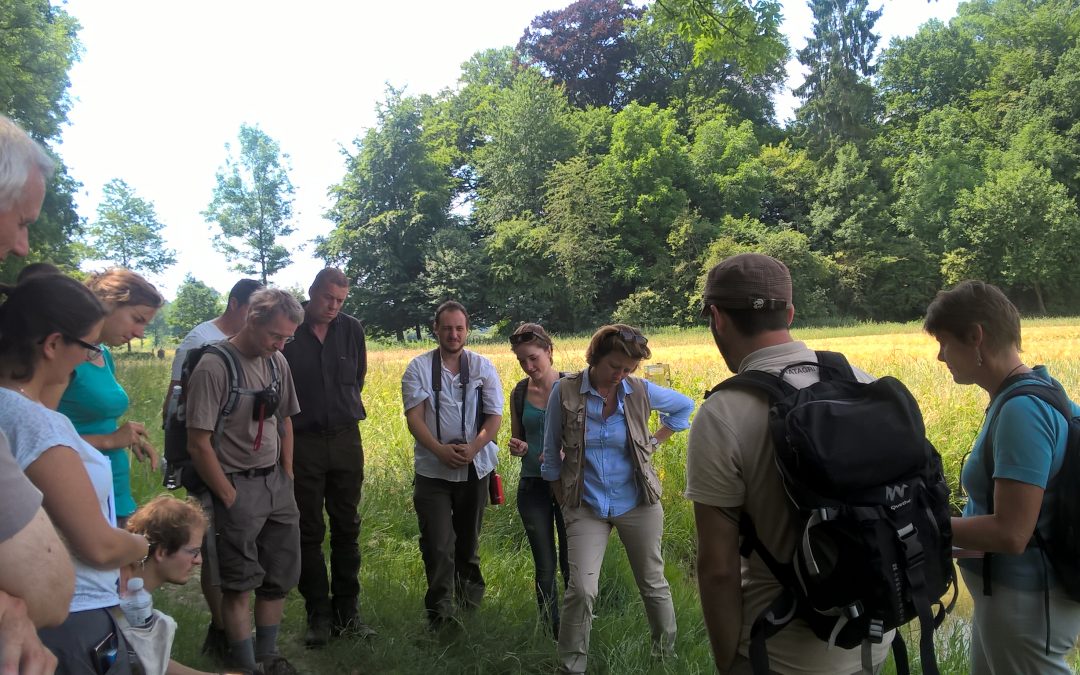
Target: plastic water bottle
pixel 137 605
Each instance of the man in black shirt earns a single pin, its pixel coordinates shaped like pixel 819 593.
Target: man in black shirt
pixel 328 360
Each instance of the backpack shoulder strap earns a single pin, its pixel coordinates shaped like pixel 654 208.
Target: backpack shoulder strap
pixel 771 385
pixel 832 364
pixel 234 376
pixel 517 401
pixel 436 372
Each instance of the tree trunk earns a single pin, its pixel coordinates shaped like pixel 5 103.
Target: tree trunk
pixel 399 334
pixel 1039 299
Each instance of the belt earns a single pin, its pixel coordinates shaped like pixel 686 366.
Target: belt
pixel 330 431
pixel 255 473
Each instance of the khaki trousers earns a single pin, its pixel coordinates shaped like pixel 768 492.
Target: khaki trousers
pixel 640 530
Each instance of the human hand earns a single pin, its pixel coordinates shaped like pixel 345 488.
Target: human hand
pixel 228 497
pixel 21 652
pixel 518 447
pixel 134 436
pixel 465 451
pixel 449 456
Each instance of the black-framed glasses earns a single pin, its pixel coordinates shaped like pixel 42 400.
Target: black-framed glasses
pixel 194 552
pixel 631 336
pixel 526 336
pixel 92 351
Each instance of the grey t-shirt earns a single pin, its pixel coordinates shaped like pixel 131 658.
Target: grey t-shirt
pixel 19 499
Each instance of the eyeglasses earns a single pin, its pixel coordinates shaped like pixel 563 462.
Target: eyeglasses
pixel 282 338
pixel 631 336
pixel 526 336
pixel 92 351
pixel 194 552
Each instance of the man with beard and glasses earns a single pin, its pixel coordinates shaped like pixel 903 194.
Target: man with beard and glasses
pixel 453 405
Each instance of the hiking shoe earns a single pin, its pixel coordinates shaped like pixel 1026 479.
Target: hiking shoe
pixel 216 644
pixel 354 628
pixel 276 665
pixel 318 632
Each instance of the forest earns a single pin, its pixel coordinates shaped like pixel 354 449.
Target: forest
pixel 596 169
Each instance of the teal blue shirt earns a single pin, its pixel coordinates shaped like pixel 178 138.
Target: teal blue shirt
pixel 1029 447
pixel 532 418
pixel 94 402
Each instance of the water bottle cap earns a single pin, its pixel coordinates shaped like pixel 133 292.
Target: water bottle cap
pixel 135 584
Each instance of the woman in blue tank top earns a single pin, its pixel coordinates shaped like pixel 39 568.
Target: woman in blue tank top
pixel 540 513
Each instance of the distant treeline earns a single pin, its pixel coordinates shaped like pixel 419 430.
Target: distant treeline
pixel 594 171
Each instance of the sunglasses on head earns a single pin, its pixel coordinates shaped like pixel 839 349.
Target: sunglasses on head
pixel 526 336
pixel 631 336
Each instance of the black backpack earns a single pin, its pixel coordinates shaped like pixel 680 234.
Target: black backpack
pixel 518 394
pixel 875 544
pixel 180 471
pixel 1059 541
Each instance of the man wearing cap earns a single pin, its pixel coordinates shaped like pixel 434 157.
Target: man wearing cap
pixel 731 470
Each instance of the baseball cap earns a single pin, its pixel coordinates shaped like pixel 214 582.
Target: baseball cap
pixel 748 281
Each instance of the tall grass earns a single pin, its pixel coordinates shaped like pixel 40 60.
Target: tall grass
pixel 504 636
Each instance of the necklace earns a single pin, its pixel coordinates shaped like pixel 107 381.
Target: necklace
pixel 21 391
pixel 1010 373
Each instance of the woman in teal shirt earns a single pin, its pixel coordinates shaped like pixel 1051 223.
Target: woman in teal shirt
pixel 94 400
pixel 540 513
pixel 1022 622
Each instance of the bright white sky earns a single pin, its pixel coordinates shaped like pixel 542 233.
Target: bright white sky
pixel 162 87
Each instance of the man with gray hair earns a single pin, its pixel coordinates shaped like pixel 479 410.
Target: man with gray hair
pixel 24 169
pixel 248 466
pixel 36 582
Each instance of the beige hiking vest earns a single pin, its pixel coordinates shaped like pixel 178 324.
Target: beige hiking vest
pixel 636 409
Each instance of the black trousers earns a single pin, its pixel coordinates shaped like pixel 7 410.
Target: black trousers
pixel 329 469
pixel 450 515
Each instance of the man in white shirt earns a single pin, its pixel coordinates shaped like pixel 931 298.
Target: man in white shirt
pixel 453 405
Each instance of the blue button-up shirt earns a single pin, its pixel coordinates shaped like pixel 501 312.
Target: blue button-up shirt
pixel 611 487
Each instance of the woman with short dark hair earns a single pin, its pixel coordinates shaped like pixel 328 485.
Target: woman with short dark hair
pixel 540 513
pixel 598 455
pixel 1022 623
pixel 48 325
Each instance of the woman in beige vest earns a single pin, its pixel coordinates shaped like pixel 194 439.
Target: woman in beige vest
pixel 598 456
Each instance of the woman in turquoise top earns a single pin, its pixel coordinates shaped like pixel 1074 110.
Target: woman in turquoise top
pixel 540 513
pixel 978 332
pixel 93 400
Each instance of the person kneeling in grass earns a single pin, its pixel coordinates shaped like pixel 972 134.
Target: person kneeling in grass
pixel 174 528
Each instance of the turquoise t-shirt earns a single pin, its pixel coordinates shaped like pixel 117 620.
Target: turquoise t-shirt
pixel 1029 447
pixel 94 402
pixel 532 418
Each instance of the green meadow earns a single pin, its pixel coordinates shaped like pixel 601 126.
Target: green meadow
pixel 504 635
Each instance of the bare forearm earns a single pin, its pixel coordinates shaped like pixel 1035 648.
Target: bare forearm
pixel 206 463
pixel 36 566
pixel 488 431
pixel 287 448
pixel 721 605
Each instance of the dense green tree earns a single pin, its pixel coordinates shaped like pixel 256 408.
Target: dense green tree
pixel 528 130
pixel 158 329
pixel 725 161
pixel 393 199
pixel 127 231
pixel 666 73
pixel 649 167
pixel 195 303
pixel 585 48
pixel 1019 229
pixel 746 31
pixel 38 45
pixel 838 97
pixel 252 204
